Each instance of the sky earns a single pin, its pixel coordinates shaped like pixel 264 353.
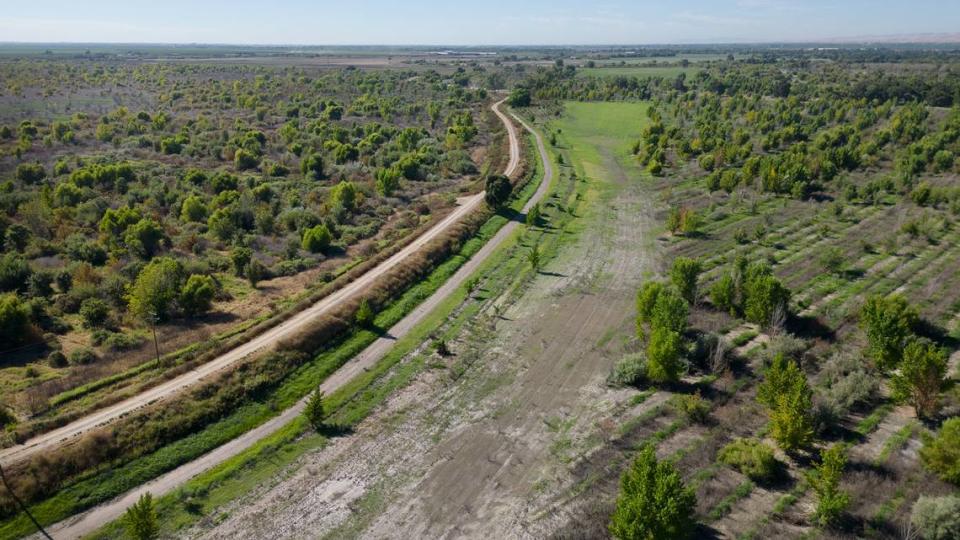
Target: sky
pixel 455 22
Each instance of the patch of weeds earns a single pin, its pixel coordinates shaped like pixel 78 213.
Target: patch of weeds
pixel 726 505
pixel 896 442
pixel 871 422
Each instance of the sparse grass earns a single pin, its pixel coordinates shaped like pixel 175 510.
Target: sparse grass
pixel 726 504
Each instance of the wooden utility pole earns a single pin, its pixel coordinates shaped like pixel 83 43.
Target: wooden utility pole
pixel 22 506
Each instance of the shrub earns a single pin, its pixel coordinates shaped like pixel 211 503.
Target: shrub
pixel 244 160
pixel 312 166
pixel 936 518
pixel 197 294
pixel 315 411
pixel 653 501
pixel 56 359
pixel 498 190
pixel 82 357
pixel 751 457
pixel 317 239
pixel 832 502
pixel 941 454
pixel 94 312
pixel 118 341
pixel 889 323
pixel 156 288
pixel 631 370
pixel 692 406
pixel 140 519
pixel 846 382
pixel 365 314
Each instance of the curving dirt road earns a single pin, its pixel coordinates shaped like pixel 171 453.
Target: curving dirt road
pixel 89 521
pixel 263 341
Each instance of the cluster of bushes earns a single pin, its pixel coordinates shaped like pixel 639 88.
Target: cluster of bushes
pixel 751 291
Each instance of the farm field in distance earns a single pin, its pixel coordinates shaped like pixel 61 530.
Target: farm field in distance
pixel 268 291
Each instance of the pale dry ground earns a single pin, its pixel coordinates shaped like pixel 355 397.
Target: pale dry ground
pixel 90 520
pixel 488 453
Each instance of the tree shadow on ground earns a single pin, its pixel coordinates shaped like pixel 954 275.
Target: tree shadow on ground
pixel 809 327
pixel 335 430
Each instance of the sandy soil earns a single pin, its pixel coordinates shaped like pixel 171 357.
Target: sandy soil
pixel 488 453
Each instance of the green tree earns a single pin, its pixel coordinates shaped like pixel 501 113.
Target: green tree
pixel 498 190
pixel 256 272
pixel 684 274
pixel 922 376
pixel 240 257
pixel 30 173
pixel 344 195
pixel 653 503
pixel 222 224
pixel 197 294
pixel 723 293
pixel 141 519
pixel 647 300
pixel 317 239
pixel 519 97
pixel 787 395
pixel 941 454
pixel 889 324
pixel 14 273
pixel 670 311
pixel 365 314
pixel 664 355
pixel 144 238
pixel 782 374
pixel 315 411
pixel 388 181
pixel 14 320
pixel 156 289
pixel 765 299
pixel 832 501
pixel 533 215
pixel 312 166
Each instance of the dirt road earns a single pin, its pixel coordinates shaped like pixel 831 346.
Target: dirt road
pixel 89 521
pixel 489 451
pixel 260 343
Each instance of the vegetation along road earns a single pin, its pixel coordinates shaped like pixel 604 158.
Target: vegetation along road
pixel 87 522
pixel 258 344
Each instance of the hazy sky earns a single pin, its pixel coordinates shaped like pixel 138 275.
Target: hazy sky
pixel 468 23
